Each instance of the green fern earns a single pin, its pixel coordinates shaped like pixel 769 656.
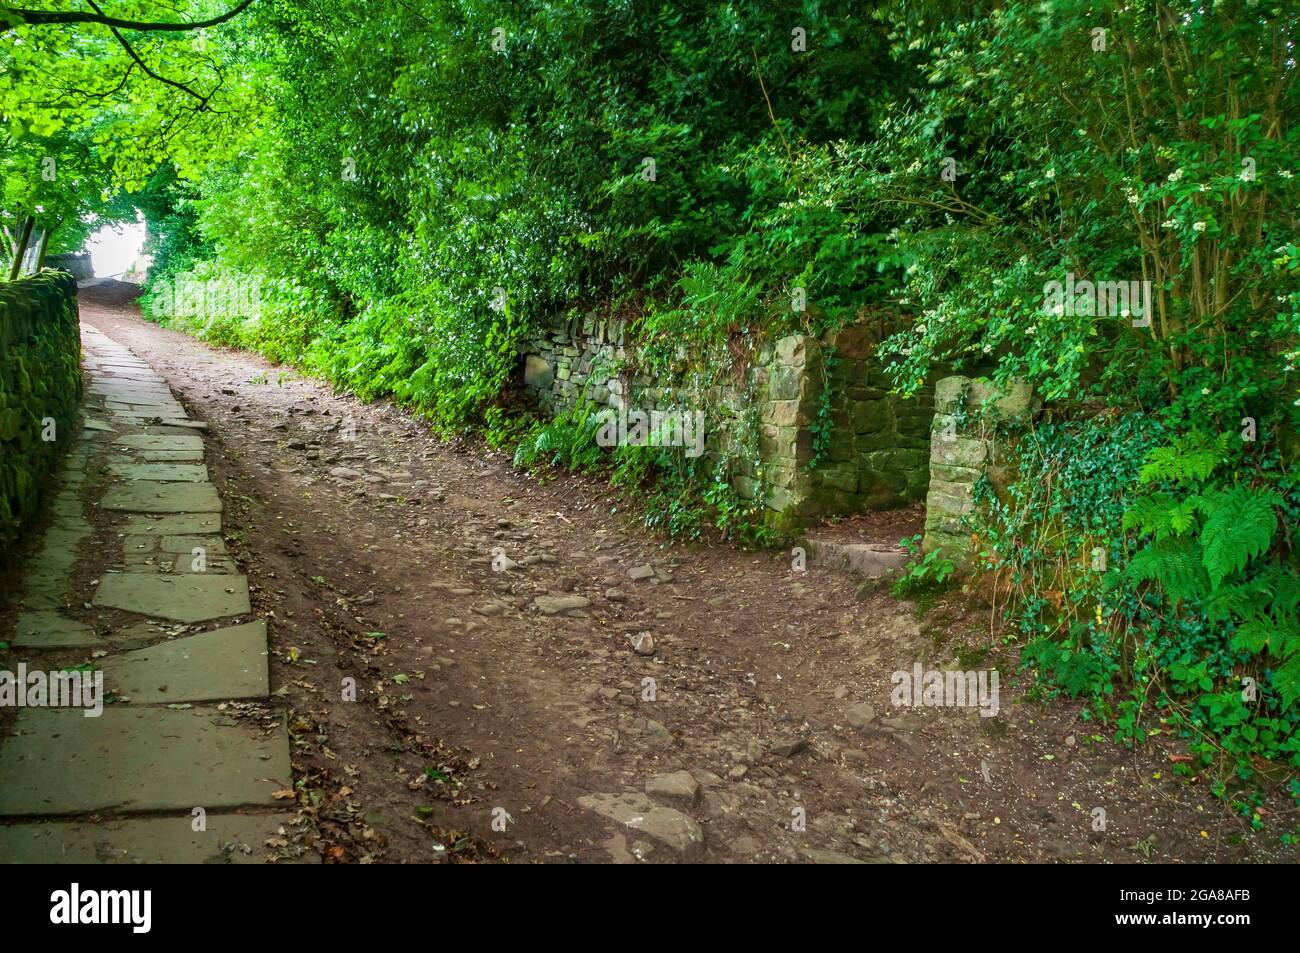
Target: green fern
pixel 1189 459
pixel 1236 602
pixel 1258 634
pixel 1239 525
pixel 1150 515
pixel 569 440
pixel 1281 585
pixel 1175 565
pixel 1286 679
pixel 1161 515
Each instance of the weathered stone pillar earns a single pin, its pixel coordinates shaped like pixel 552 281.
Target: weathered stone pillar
pixel 964 448
pixel 789 396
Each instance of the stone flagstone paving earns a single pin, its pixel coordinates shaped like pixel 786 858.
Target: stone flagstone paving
pixel 127 786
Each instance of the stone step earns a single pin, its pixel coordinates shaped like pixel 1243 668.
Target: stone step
pixel 868 559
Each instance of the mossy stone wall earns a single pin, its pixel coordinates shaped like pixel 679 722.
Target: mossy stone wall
pixel 877 447
pixel 40 388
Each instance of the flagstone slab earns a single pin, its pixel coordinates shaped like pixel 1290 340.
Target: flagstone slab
pixel 165 408
pixel 147 422
pixel 99 426
pixel 227 838
pixel 158 442
pixel 177 554
pixel 178 564
pixel 130 370
pixel 213 545
pixel 171 456
pixel 220 665
pixel 194 597
pixel 146 633
pixel 174 524
pixel 50 630
pixel 48 572
pixel 124 396
pixel 108 385
pixel 150 408
pixel 150 497
pixel 169 428
pixel 57 761
pixel 66 505
pixel 174 545
pixel 162 472
pixel 45 591
pixel 58 553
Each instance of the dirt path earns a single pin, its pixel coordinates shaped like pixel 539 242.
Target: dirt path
pixel 487 698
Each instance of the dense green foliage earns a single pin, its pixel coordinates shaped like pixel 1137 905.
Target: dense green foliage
pixel 412 186
pixel 584 153
pixel 1164 150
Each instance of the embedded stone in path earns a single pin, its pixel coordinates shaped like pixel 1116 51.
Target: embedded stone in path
pixel 58 761
pixel 147 442
pixel 679 786
pixel 229 838
pixel 161 472
pixel 189 598
pixel 150 497
pixel 49 630
pixel 165 428
pixel 214 666
pixel 552 605
pixel 668 826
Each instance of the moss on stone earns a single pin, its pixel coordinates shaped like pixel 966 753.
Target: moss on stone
pixel 40 381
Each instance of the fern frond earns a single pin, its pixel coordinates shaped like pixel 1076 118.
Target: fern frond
pixel 1237 602
pixel 1256 635
pixel 1286 680
pixel 1239 525
pixel 1173 565
pixel 1281 583
pixel 1190 458
pixel 1150 515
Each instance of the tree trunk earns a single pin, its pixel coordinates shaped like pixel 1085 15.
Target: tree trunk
pixel 45 243
pixel 21 250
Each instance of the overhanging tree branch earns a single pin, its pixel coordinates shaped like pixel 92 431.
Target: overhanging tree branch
pixel 117 35
pixel 46 17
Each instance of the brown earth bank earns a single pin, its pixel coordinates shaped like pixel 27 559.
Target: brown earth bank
pixel 538 679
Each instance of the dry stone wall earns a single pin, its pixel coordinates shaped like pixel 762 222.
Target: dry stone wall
pixel 873 456
pixel 40 387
